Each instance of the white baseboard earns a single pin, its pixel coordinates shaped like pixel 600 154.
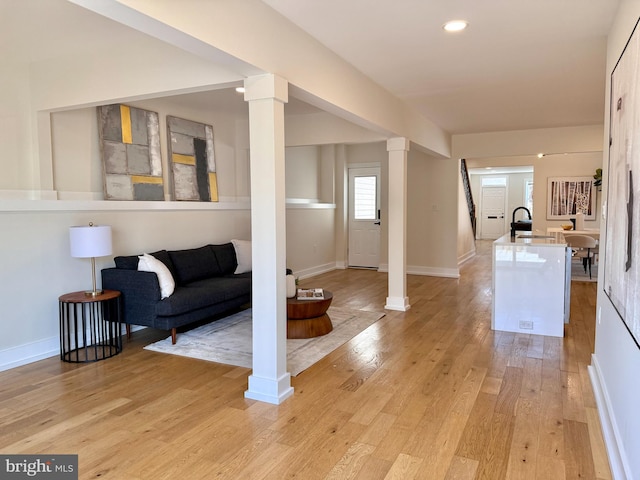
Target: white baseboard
pixel 467 256
pixel 426 271
pixel 619 466
pixel 32 352
pixel 28 353
pixel 313 271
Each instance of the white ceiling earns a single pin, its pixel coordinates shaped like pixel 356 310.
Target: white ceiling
pixel 520 64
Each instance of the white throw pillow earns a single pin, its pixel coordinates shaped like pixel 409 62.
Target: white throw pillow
pixel 149 263
pixel 243 255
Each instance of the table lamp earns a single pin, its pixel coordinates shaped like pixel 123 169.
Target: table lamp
pixel 90 241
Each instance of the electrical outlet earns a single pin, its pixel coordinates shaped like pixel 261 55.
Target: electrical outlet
pixel 526 324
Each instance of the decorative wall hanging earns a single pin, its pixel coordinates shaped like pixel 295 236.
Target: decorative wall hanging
pixel 193 164
pixel 566 196
pixel 130 147
pixel 622 246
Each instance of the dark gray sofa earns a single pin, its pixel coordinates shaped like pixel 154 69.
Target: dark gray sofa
pixel 206 285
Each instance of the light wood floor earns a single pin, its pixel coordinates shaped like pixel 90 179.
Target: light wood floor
pixel 432 393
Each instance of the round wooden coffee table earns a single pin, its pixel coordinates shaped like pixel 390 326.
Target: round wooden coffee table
pixel 308 318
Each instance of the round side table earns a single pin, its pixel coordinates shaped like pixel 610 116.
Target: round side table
pixel 308 318
pixel 90 327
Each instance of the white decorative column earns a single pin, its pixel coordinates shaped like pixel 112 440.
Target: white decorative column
pixel 397 214
pixel 269 382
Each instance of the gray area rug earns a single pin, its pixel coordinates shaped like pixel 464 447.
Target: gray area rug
pixel 228 340
pixel 579 275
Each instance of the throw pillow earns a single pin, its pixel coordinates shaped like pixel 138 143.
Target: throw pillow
pixel 148 263
pixel 243 255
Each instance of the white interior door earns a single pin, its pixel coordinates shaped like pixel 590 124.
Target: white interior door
pixel 364 217
pixel 493 224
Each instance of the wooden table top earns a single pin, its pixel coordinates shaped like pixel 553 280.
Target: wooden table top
pixel 81 297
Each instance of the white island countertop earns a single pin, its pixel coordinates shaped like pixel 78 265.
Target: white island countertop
pixel 531 283
pixel 537 238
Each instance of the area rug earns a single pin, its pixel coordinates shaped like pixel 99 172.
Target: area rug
pixel 579 275
pixel 228 340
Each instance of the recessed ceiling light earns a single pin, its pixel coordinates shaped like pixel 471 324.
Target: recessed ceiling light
pixel 540 155
pixel 455 25
pixel 240 89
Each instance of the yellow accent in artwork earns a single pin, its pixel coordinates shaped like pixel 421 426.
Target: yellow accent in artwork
pixel 125 121
pixel 184 159
pixel 145 179
pixel 213 186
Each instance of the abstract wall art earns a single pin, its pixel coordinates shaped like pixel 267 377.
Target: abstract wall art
pixel 567 196
pixel 192 160
pixel 130 148
pixel 622 244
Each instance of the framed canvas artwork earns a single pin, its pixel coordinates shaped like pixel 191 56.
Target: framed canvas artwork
pixel 622 246
pixel 192 160
pixel 567 196
pixel 130 149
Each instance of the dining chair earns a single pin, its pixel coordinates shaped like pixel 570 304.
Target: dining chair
pixel 584 247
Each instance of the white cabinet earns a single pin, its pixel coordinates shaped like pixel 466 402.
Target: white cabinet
pixel 531 284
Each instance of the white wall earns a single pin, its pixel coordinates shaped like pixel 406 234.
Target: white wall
pixel 569 165
pixel 616 361
pixel 310 240
pixel 311 209
pixel 432 215
pixel 322 128
pixel 528 142
pixel 302 173
pixel 15 127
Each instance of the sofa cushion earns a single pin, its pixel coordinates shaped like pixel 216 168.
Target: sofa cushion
pixel 226 256
pixel 231 286
pixel 130 262
pixel 164 257
pixel 186 299
pixel 202 294
pixel 194 264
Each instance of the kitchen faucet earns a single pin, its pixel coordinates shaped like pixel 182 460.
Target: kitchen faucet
pixel 513 219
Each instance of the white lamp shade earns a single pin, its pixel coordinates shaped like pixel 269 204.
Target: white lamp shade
pixel 90 241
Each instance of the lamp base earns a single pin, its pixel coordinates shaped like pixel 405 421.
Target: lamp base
pixel 93 293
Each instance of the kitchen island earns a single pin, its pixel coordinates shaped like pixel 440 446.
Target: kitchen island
pixel 531 283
